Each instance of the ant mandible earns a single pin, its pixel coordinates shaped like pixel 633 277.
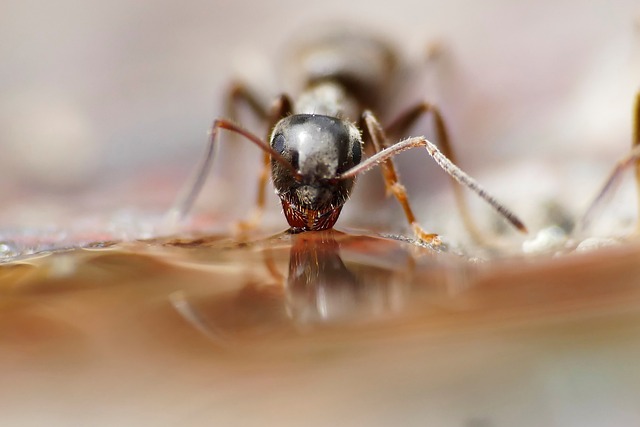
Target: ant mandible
pixel 315 149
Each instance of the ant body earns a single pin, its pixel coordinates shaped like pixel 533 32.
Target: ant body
pixel 315 149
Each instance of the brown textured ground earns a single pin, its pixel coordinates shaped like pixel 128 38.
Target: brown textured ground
pixel 318 330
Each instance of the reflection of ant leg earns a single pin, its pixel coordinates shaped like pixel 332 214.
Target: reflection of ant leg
pixel 280 108
pixel 631 159
pixel 392 181
pixel 399 128
pixel 272 266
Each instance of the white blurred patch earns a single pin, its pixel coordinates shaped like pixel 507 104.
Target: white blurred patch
pixel 593 243
pixel 547 240
pixel 48 141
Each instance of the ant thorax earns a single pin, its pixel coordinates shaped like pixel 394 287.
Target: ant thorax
pixel 327 98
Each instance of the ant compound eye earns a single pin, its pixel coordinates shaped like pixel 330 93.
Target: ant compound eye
pixel 277 143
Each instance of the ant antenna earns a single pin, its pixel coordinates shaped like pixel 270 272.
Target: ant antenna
pixel 454 171
pixel 187 197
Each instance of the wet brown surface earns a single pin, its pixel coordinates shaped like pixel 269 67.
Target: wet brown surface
pixel 318 329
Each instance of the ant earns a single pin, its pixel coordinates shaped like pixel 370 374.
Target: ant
pixel 316 143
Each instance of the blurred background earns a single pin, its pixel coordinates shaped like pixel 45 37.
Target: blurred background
pixel 108 103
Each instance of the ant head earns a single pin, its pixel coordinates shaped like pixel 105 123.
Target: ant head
pixel 319 148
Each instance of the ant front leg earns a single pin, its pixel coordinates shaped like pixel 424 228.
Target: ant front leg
pixel 630 160
pixel 399 127
pixel 634 147
pixel 392 181
pixel 280 108
pixel 237 94
pixel 185 201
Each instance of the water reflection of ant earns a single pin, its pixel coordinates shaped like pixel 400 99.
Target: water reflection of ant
pixel 316 143
pixel 320 288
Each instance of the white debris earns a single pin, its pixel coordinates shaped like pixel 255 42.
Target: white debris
pixel 547 240
pixel 593 243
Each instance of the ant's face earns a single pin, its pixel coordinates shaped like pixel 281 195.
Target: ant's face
pixel 320 148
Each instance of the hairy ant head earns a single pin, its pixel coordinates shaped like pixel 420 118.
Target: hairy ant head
pixel 320 149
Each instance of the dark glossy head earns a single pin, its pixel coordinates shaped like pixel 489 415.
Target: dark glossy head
pixel 320 148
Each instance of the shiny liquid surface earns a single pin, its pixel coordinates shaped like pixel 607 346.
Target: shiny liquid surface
pixel 319 329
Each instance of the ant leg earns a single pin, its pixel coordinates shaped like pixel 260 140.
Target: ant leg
pixel 631 159
pixel 391 179
pixel 280 108
pixel 184 202
pixel 634 144
pixel 400 126
pixel 240 93
pixel 237 93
